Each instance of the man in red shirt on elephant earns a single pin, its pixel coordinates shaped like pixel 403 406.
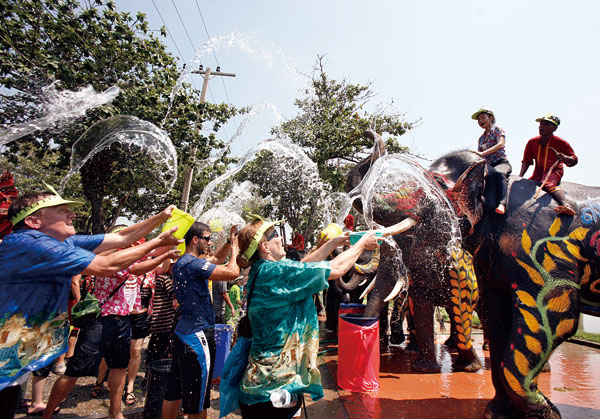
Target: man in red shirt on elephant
pixel 549 153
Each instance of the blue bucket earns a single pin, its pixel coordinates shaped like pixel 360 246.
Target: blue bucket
pixel 223 334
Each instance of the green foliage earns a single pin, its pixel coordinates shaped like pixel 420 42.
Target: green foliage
pixel 592 337
pixel 289 191
pixel 331 122
pixel 73 45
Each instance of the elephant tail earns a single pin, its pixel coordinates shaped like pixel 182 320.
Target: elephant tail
pixel 464 295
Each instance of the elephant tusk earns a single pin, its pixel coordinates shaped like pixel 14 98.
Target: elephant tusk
pixel 368 289
pixel 395 291
pixel 401 227
pixel 363 282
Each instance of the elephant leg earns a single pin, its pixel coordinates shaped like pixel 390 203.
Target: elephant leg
pixel 397 335
pixel 464 298
pixel 494 306
pixel 423 318
pixel 543 318
pixel 452 341
pixel 411 346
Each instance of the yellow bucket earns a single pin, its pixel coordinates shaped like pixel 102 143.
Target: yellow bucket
pixel 331 231
pixel 181 219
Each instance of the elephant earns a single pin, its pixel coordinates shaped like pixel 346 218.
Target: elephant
pixel 439 275
pixel 537 270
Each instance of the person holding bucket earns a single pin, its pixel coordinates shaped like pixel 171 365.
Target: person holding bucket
pixel 194 339
pixel 285 329
pixel 39 259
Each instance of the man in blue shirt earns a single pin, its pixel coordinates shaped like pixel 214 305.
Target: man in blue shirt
pixel 37 262
pixel 193 361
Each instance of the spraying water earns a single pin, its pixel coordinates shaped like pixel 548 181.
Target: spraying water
pixel 59 108
pixel 266 52
pixel 126 129
pixel 302 166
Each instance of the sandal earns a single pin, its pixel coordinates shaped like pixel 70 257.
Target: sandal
pixel 566 209
pixel 96 390
pixel 129 399
pixel 41 412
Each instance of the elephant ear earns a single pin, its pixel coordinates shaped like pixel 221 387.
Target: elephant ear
pixel 468 191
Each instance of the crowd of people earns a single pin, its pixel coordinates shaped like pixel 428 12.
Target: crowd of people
pixel 145 288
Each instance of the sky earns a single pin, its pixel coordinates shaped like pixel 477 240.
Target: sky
pixel 435 61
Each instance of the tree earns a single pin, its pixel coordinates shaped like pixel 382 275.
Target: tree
pixel 331 123
pixel 75 45
pixel 289 190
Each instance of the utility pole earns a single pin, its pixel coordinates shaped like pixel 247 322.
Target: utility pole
pixel 187 184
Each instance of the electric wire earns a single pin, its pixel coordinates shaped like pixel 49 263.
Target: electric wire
pixel 191 43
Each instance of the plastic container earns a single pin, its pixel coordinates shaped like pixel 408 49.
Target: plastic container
pixel 216 226
pixel 181 219
pixel 356 236
pixel 223 334
pixel 355 308
pixel 156 385
pixel 331 231
pixel 282 398
pixel 358 353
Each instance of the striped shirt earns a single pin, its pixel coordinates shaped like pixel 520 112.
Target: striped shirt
pixel 163 312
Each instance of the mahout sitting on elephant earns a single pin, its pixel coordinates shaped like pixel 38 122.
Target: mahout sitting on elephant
pixel 439 270
pixel 537 271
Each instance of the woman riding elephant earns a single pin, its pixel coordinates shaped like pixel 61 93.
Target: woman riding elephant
pixel 491 147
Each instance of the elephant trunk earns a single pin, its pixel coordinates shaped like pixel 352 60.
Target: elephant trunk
pixel 355 280
pixel 391 271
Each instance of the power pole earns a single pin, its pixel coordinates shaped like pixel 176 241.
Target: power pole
pixel 187 184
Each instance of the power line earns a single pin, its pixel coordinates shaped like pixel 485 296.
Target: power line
pixel 169 32
pixel 214 53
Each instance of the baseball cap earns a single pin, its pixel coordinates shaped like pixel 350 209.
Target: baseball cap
pixel 480 111
pixel 550 118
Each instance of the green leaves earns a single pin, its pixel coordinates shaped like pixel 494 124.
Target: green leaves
pixel 75 45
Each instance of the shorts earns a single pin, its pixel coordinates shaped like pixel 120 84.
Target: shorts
pixel 139 325
pixel 108 337
pixel 44 371
pixel 191 371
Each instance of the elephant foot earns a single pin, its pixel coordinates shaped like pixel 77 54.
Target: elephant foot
pixel 384 344
pixel 424 366
pixel 412 348
pixel 397 338
pixel 462 365
pixel 548 411
pixel 497 409
pixel 546 367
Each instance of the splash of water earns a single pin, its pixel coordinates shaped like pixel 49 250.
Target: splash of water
pixel 249 44
pixel 126 129
pixel 279 148
pixel 251 117
pixel 60 108
pixel 389 174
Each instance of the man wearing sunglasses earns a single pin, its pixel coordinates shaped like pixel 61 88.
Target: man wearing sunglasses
pixel 195 348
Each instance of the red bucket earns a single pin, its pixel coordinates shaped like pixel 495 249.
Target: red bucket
pixel 358 353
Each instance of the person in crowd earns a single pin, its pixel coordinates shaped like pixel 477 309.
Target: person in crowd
pixel 549 153
pixel 491 146
pixel 298 241
pixel 220 301
pixel 39 259
pixel 349 223
pixel 282 316
pixel 194 340
pixel 162 319
pixel 109 336
pixel 235 296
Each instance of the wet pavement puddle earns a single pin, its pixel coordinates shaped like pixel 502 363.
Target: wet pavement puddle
pixel 573 385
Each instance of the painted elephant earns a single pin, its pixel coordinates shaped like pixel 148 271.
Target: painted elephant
pixel 537 272
pixel 439 274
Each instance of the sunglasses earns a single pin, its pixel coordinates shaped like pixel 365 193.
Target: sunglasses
pixel 207 238
pixel 272 235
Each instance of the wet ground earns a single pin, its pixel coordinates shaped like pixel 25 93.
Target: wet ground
pixel 573 385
